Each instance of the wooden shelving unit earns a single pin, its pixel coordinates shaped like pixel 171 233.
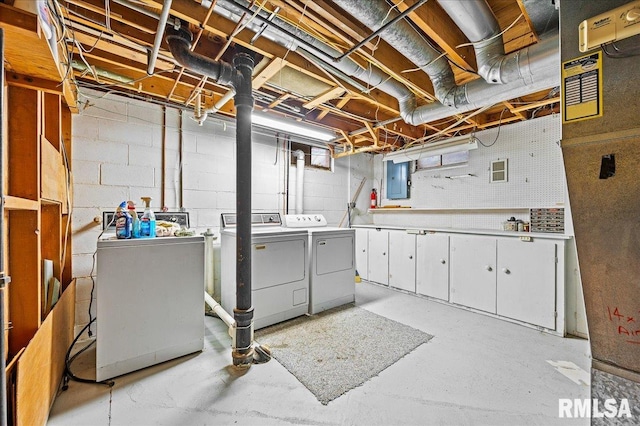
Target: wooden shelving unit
pixel 36 198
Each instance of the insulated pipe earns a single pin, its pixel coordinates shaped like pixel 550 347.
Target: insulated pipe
pixel 533 77
pixel 477 22
pixel 403 37
pixel 162 23
pixel 291 37
pixel 539 68
pixel 237 76
pixel 299 180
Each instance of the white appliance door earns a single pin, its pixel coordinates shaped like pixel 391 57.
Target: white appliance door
pixel 333 254
pixel 278 262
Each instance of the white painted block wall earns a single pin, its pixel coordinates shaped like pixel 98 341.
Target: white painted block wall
pixel 536 178
pixel 117 156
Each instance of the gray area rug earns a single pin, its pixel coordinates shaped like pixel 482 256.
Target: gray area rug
pixel 341 348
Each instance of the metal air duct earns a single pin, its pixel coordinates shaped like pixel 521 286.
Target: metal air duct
pixel 535 68
pixel 402 36
pixel 477 22
pixel 538 68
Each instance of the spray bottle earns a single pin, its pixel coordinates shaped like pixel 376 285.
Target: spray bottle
pixel 148 220
pixel 135 221
pixel 123 222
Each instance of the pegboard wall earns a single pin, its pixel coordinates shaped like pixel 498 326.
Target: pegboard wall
pixel 536 178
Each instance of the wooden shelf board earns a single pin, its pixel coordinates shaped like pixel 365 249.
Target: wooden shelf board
pixel 17 203
pixel 21 28
pixel 444 209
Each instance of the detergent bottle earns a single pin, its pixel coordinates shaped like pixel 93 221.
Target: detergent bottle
pixel 135 221
pixel 148 220
pixel 123 222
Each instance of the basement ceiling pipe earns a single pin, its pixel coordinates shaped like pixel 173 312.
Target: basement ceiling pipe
pixel 292 38
pixel 538 69
pixel 238 76
pixel 477 22
pixel 299 181
pixel 162 23
pixel 403 37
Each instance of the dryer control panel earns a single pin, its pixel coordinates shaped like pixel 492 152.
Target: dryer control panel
pixel 304 221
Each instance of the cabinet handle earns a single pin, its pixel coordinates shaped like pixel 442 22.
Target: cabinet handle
pixel 410 257
pixel 506 271
pixel 363 250
pixel 443 261
pixel 488 268
pixel 384 254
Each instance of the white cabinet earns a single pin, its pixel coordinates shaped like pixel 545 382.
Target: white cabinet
pixel 526 285
pixel 432 265
pixel 362 252
pixel 519 277
pixel 378 256
pixel 402 260
pixel 473 275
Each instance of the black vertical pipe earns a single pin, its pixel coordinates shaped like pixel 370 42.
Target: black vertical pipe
pixel 243 313
pixel 3 279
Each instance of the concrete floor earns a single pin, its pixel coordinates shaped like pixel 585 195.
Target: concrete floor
pixel 477 370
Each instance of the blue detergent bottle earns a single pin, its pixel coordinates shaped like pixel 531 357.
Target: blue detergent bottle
pixel 123 222
pixel 148 220
pixel 135 221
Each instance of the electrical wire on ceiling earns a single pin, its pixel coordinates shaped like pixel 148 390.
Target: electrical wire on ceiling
pixel 497 135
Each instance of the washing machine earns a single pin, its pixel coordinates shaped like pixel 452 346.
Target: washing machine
pixel 331 261
pixel 279 272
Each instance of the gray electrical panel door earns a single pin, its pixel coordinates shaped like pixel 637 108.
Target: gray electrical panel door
pixel 397 180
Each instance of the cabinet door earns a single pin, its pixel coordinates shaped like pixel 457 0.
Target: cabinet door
pixel 527 281
pixel 362 253
pixel 402 260
pixel 378 258
pixel 432 265
pixel 473 274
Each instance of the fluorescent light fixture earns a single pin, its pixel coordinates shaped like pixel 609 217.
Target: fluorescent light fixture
pixel 308 132
pixel 457 144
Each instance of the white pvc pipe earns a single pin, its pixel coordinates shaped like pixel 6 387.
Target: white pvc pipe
pixel 162 22
pixel 299 181
pixel 208 262
pixel 215 306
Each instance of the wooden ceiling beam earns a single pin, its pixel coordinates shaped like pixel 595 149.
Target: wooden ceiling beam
pixel 128 53
pixel 118 12
pixel 513 111
pixel 534 105
pixel 267 72
pixel 324 97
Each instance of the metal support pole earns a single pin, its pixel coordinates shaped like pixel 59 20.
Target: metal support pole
pixel 243 313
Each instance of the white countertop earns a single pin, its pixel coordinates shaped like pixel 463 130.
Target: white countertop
pixel 496 232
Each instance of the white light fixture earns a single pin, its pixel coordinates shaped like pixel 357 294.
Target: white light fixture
pixel 457 144
pixel 308 132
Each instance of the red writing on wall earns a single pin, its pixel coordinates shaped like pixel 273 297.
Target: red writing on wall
pixel 626 325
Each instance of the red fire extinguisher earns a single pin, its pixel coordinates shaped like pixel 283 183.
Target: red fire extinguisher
pixel 374 198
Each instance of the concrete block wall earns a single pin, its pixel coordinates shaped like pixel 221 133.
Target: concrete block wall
pixel 118 156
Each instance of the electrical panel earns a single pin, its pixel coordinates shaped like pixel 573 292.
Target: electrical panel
pixel 617 24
